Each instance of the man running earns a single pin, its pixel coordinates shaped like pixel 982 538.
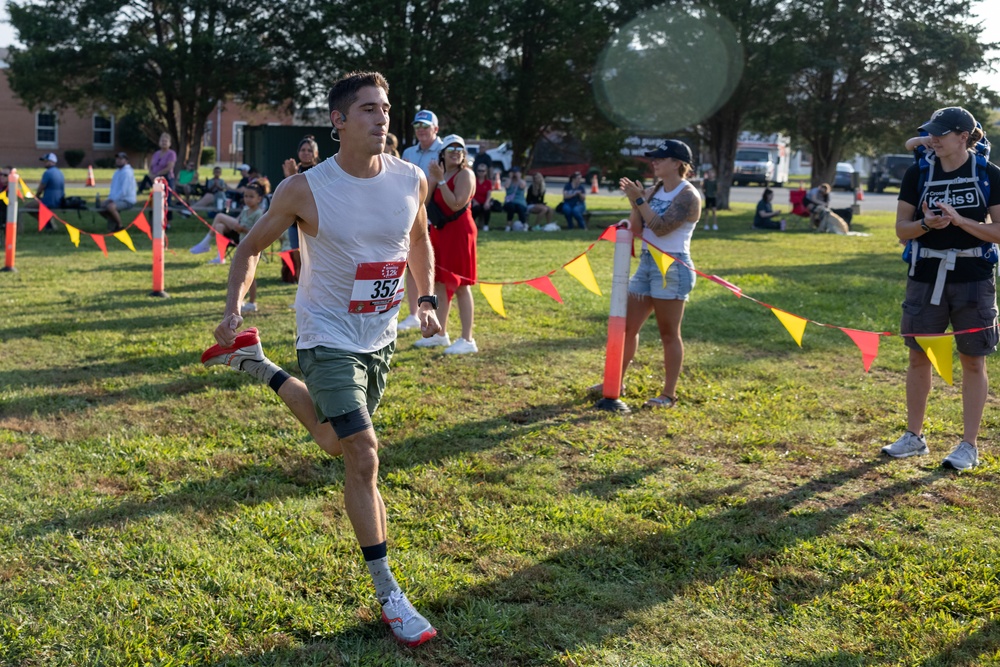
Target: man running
pixel 362 220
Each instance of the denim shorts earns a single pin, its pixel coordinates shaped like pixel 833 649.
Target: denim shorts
pixel 648 281
pixel 963 305
pixel 341 382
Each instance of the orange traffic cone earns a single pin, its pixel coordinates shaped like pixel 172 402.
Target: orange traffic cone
pixel 91 182
pixel 594 189
pixel 496 180
pixel 859 195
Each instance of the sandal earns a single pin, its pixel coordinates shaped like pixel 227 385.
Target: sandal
pixel 598 389
pixel 661 402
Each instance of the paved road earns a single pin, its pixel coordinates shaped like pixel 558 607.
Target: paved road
pixel 838 199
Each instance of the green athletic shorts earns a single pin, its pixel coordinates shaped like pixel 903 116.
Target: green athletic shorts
pixel 341 382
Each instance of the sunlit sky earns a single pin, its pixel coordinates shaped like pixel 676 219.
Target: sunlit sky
pixel 987 10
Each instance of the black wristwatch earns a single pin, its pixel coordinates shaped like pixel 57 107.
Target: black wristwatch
pixel 923 226
pixel 432 299
pixel 640 201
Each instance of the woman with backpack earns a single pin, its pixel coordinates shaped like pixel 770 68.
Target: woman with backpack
pixel 943 204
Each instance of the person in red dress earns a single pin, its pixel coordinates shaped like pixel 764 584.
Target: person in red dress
pixel 451 185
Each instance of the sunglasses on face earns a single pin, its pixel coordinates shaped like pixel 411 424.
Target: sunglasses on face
pixel 454 149
pixel 421 126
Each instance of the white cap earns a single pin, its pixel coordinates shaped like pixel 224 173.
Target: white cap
pixel 453 139
pixel 244 167
pixel 49 157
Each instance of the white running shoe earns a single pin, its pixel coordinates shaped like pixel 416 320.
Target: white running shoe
pixel 216 260
pixel 462 346
pixel 706 226
pixel 407 625
pixel 963 457
pixel 909 444
pixel 201 247
pixel 410 322
pixel 715 228
pixel 437 340
pixel 248 307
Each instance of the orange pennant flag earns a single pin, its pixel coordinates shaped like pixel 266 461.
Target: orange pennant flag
pixel 99 240
pixel 143 225
pixel 545 286
pixel 867 342
pixel 494 296
pixel 580 269
pixel 286 257
pixel 74 235
pixel 44 215
pixel 221 242
pixel 796 325
pixel 938 350
pixel 608 234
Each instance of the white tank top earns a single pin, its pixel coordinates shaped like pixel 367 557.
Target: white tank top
pixel 351 281
pixel 676 241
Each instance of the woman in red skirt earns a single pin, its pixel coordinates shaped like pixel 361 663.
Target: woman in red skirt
pixel 453 236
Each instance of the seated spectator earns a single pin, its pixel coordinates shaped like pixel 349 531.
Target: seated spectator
pixel 51 191
pixel 250 175
pixel 122 195
pixel 536 199
pixel 764 217
pixel 214 191
pixel 575 201
pixel 161 165
pixel 235 228
pixel 514 202
pixel 188 183
pixel 482 202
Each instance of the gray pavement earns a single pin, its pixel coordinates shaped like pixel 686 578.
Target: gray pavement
pixel 838 198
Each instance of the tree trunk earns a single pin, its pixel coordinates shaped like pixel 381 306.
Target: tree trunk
pixel 723 135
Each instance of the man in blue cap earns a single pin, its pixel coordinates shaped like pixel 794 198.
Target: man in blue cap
pixel 422 154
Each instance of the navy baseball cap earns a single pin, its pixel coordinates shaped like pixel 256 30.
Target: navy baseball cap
pixel 949 119
pixel 672 148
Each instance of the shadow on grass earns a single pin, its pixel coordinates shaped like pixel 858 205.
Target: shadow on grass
pixel 586 595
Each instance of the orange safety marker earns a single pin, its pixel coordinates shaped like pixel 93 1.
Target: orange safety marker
pixel 859 194
pixel 91 181
pixel 594 187
pixel 614 353
pixel 496 180
pixel 159 222
pixel 10 232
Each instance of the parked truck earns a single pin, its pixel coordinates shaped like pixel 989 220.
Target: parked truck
pixel 761 159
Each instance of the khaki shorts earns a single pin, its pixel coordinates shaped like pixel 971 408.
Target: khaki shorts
pixel 963 305
pixel 341 382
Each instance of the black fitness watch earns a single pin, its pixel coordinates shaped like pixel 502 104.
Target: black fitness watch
pixel 432 299
pixel 923 226
pixel 640 201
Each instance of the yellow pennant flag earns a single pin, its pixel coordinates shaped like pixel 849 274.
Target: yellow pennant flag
pixel 3 198
pixel 796 325
pixel 74 234
pixel 938 350
pixel 124 238
pixel 663 261
pixel 25 190
pixel 494 296
pixel 580 269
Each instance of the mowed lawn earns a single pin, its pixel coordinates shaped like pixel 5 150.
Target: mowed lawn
pixel 156 512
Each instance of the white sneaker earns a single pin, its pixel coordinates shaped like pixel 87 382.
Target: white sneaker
pixel 462 346
pixel 706 226
pixel 963 457
pixel 201 247
pixel 486 228
pixel 407 625
pixel 409 322
pixel 715 228
pixel 507 228
pixel 216 260
pixel 248 307
pixel 908 444
pixel 437 340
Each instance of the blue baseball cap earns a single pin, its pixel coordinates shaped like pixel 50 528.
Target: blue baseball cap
pixel 426 116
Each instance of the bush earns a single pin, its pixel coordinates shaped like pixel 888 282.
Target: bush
pixel 207 155
pixel 74 156
pixel 105 163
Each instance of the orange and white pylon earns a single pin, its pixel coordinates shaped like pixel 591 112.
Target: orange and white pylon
pixel 594 187
pixel 496 180
pixel 91 181
pixel 859 194
pixel 615 351
pixel 10 228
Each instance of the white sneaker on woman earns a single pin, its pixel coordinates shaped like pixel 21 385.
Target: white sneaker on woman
pixel 462 346
pixel 437 340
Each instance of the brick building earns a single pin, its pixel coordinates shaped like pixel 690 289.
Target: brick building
pixel 26 135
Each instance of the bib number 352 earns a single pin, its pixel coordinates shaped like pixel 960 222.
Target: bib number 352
pixel 378 287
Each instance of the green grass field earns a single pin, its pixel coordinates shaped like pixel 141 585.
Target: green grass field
pixel 154 512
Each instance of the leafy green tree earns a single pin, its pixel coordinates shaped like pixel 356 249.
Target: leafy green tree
pixel 170 61
pixel 871 71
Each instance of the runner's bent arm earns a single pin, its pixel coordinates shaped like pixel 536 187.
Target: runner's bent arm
pixel 279 217
pixel 420 265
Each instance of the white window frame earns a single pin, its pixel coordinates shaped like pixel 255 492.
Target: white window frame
pixel 54 127
pixel 238 126
pixel 110 131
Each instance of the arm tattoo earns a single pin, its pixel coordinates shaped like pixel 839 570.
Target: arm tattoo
pixel 684 208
